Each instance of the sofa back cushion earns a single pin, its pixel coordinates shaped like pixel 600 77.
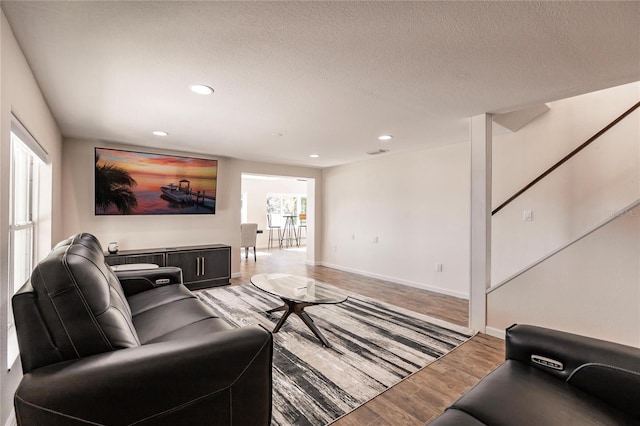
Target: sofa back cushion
pixel 79 302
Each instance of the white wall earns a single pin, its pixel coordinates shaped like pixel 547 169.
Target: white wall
pixel 134 232
pixel 257 191
pixel 416 204
pixel 581 193
pixel 590 288
pixel 21 95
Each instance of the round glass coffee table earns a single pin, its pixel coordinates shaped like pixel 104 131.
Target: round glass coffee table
pixel 297 293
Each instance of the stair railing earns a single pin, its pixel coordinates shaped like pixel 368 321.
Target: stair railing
pixel 613 216
pixel 566 158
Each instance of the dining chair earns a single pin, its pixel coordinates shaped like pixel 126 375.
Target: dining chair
pixel 248 237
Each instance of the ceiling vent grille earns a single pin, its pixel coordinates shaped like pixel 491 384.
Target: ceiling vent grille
pixel 380 151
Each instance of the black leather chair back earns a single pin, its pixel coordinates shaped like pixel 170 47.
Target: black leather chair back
pixel 73 306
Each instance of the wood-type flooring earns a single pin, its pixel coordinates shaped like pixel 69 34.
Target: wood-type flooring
pixel 424 395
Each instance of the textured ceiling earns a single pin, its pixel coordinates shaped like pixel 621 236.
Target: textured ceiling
pixel 329 76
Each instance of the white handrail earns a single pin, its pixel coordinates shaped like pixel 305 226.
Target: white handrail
pixel 614 216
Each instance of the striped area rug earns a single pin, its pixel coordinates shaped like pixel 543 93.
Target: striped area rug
pixel 374 346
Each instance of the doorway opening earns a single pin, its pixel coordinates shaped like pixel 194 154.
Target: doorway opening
pixel 284 209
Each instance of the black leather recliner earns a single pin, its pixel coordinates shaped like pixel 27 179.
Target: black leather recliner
pixel 97 349
pixel 553 378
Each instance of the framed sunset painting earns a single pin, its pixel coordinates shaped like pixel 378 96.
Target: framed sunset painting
pixel 139 183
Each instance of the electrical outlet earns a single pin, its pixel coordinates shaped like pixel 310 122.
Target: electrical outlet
pixel 438 267
pixel 353 236
pixel 527 215
pixel 375 240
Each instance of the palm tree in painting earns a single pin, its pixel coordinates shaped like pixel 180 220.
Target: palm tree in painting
pixel 113 186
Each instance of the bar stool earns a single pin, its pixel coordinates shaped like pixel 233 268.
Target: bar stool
pixel 302 223
pixel 289 235
pixel 271 227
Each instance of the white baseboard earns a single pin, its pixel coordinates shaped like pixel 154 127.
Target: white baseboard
pixel 422 286
pixel 11 420
pixel 236 275
pixel 312 263
pixel 496 332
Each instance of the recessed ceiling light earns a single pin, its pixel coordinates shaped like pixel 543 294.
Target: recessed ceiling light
pixel 160 133
pixel 314 155
pixel 385 137
pixel 201 89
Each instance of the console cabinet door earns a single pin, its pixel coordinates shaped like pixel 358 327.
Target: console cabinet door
pixel 216 265
pixel 189 262
pixel 203 268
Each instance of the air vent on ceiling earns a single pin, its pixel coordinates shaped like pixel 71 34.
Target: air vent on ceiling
pixel 380 151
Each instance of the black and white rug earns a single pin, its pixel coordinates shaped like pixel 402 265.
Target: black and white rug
pixel 374 346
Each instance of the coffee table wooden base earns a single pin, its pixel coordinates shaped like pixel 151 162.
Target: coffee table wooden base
pixel 297 308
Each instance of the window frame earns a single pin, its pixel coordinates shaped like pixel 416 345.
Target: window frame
pixel 34 157
pixel 299 208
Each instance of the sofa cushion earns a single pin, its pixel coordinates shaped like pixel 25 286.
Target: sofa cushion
pixel 150 299
pixel 516 393
pixel 199 328
pixel 172 312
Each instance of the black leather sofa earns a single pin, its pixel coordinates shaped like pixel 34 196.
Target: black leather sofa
pixel 554 378
pixel 97 348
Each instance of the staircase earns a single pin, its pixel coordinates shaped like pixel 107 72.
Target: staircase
pixel 575 264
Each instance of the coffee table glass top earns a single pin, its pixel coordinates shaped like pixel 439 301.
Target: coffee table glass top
pixel 297 288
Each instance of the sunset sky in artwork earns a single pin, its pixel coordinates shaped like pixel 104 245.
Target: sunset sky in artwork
pixel 139 163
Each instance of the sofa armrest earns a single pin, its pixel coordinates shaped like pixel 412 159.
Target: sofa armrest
pixel 137 281
pixel 219 376
pixel 606 370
